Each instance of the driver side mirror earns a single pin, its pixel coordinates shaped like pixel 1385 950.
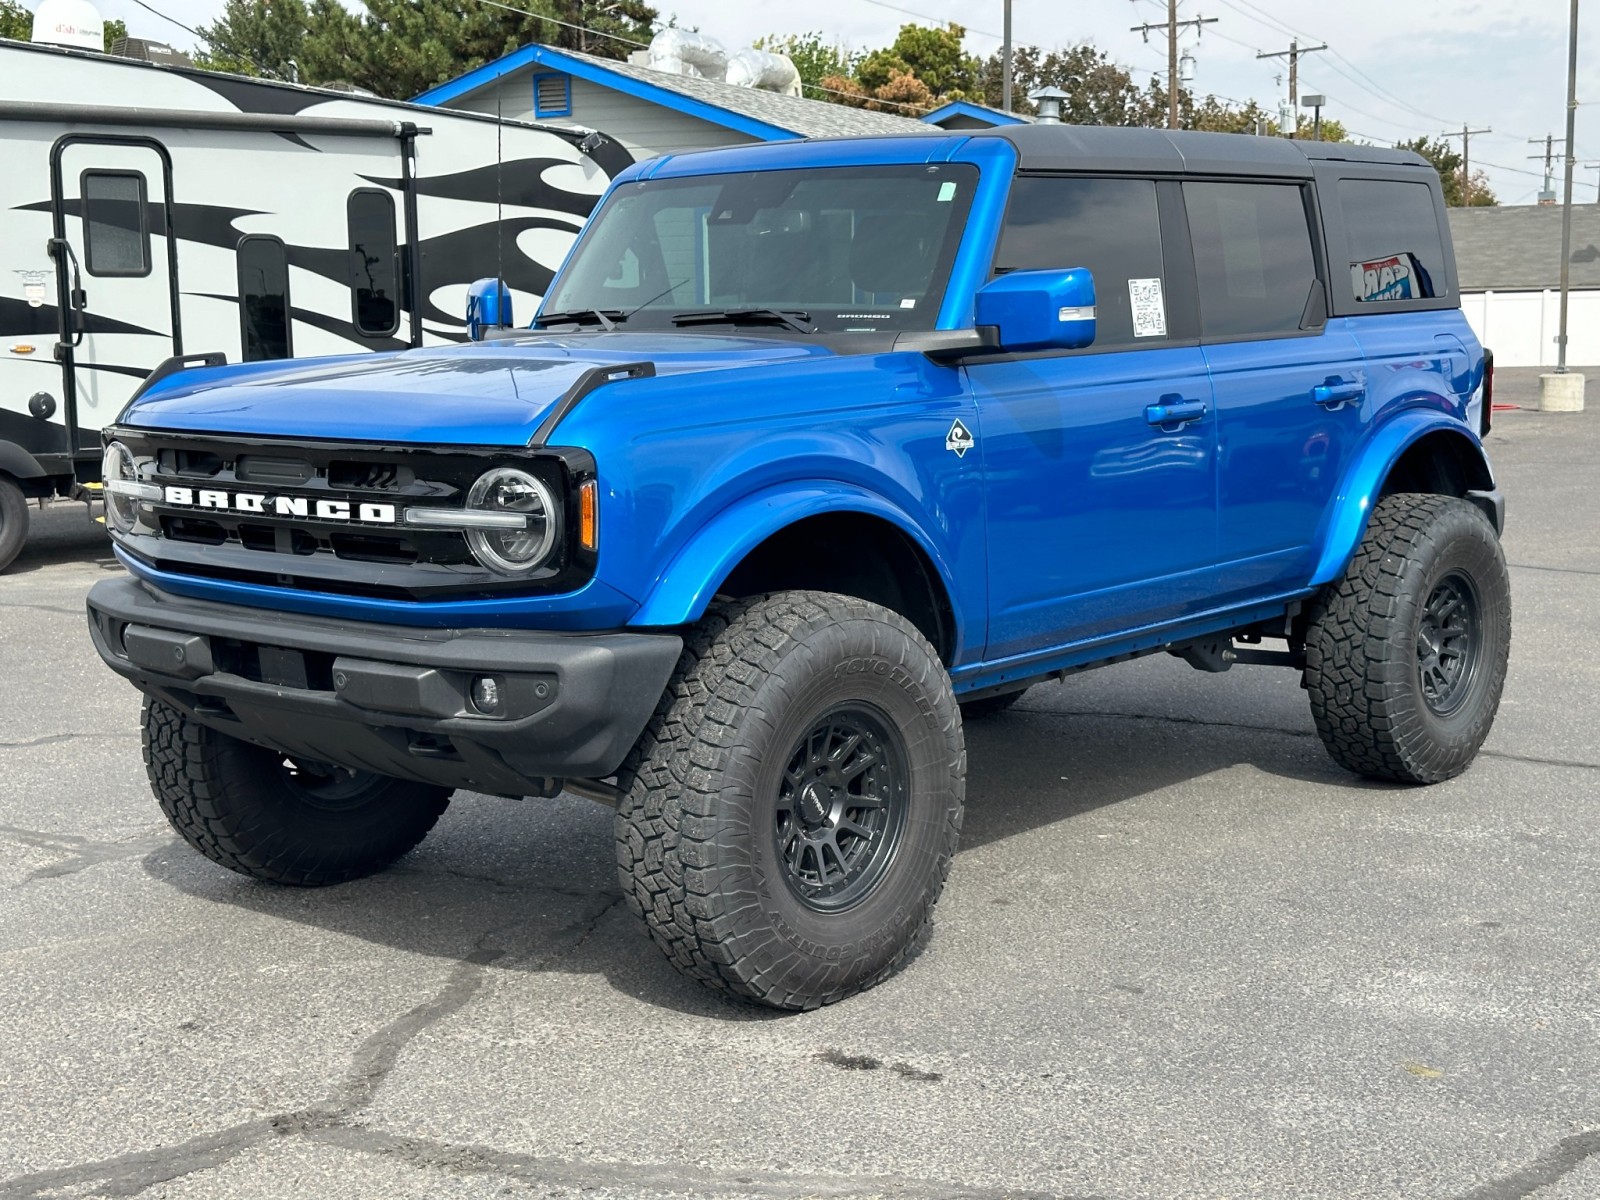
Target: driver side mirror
pixel 488 307
pixel 1038 310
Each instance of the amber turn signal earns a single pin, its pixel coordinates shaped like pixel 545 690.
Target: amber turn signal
pixel 589 515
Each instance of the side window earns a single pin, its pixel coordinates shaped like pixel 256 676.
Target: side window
pixel 1110 226
pixel 263 298
pixel 116 235
pixel 374 263
pixel 1395 249
pixel 1252 253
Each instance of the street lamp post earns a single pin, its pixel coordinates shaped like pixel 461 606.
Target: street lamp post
pixel 1563 390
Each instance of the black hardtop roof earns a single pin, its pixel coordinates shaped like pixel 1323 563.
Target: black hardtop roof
pixel 1123 148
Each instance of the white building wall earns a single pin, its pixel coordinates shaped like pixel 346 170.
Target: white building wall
pixel 1520 327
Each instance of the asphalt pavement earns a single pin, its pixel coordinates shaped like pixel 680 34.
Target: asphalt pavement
pixel 1181 954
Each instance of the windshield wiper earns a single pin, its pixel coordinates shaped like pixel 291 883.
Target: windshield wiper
pixel 791 318
pixel 606 318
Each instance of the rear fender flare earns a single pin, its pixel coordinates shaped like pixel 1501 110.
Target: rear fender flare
pixel 685 587
pixel 18 463
pixel 1363 482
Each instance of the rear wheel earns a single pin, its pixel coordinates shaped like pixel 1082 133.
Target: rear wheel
pixel 791 811
pixel 1406 653
pixel 13 521
pixel 257 812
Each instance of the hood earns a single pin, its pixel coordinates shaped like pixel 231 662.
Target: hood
pixel 483 393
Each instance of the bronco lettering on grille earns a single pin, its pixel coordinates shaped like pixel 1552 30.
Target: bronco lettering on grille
pixel 261 504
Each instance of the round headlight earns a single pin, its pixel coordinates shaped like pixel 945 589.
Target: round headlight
pixel 118 474
pixel 513 551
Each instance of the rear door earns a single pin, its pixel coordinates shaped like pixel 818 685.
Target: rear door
pixel 1290 385
pixel 115 271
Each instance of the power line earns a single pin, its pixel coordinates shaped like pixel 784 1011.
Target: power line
pixel 937 20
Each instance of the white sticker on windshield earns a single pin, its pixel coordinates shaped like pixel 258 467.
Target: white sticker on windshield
pixel 908 303
pixel 947 191
pixel 1149 309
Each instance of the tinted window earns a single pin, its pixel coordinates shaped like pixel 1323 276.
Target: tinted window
pixel 1392 229
pixel 116 238
pixel 1107 225
pixel 373 263
pixel 1252 252
pixel 263 298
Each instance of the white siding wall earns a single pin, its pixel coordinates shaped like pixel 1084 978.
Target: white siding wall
pixel 1520 327
pixel 646 129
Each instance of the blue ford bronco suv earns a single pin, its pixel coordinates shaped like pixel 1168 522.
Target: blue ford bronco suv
pixel 813 452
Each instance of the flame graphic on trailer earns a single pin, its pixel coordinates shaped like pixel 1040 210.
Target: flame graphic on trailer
pixel 249 218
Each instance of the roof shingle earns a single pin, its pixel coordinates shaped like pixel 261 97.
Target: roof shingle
pixel 1518 247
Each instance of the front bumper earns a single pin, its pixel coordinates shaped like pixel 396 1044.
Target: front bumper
pixel 394 700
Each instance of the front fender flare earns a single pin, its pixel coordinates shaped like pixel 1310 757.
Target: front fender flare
pixel 1363 482
pixel 684 587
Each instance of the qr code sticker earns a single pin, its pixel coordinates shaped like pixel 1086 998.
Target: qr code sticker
pixel 1149 309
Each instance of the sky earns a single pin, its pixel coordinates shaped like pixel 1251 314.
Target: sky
pixel 1394 68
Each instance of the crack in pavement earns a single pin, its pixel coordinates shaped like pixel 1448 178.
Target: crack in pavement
pixel 81 852
pixel 66 612
pixel 51 739
pixel 370 1067
pixel 1548 1168
pixel 1557 570
pixel 1297 733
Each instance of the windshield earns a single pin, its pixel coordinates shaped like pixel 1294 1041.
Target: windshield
pixel 851 248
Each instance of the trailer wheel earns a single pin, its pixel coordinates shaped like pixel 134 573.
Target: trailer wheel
pixel 1406 653
pixel 13 521
pixel 790 813
pixel 254 811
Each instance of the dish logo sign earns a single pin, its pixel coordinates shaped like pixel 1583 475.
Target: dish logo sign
pixel 262 505
pixel 1391 278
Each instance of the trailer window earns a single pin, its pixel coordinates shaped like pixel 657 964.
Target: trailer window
pixel 263 298
pixel 116 234
pixel 374 274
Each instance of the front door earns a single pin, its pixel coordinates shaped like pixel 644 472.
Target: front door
pixel 114 272
pixel 1099 465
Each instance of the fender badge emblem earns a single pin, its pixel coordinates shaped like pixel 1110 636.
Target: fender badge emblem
pixel 959 439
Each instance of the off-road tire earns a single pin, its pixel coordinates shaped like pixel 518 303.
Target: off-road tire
pixel 697 829
pixel 236 804
pixel 1364 671
pixel 13 521
pixel 989 706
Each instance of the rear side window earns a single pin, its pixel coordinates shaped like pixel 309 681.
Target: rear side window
pixel 1392 230
pixel 1110 226
pixel 116 235
pixel 374 265
pixel 263 298
pixel 1252 252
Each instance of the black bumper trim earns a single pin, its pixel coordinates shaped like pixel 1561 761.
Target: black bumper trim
pixel 391 699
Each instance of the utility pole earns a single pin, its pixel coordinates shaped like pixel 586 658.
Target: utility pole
pixel 1594 167
pixel 1566 201
pixel 1466 135
pixel 1005 60
pixel 1172 26
pixel 1548 195
pixel 1293 54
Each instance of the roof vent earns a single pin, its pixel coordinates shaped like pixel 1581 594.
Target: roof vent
pixel 145 50
pixel 73 23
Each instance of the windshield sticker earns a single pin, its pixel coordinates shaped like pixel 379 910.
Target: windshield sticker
pixel 947 192
pixel 1149 309
pixel 1387 278
pixel 959 440
pixel 908 303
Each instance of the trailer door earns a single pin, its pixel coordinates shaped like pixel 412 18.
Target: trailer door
pixel 116 272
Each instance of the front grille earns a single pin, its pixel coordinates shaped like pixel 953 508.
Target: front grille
pixel 329 517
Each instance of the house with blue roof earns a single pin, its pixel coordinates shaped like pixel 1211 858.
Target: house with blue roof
pixel 650 112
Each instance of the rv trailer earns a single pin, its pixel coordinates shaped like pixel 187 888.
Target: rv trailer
pixel 166 212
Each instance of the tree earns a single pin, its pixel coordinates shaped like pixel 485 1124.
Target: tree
pixel 1099 91
pixel 16 23
pixel 255 37
pixel 1446 159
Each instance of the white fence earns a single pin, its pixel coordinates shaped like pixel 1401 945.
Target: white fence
pixel 1520 327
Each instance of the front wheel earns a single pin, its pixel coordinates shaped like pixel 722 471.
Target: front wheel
pixel 13 521
pixel 1406 653
pixel 256 812
pixel 790 813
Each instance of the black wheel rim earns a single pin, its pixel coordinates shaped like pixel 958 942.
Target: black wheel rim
pixel 841 807
pixel 1449 637
pixel 325 786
